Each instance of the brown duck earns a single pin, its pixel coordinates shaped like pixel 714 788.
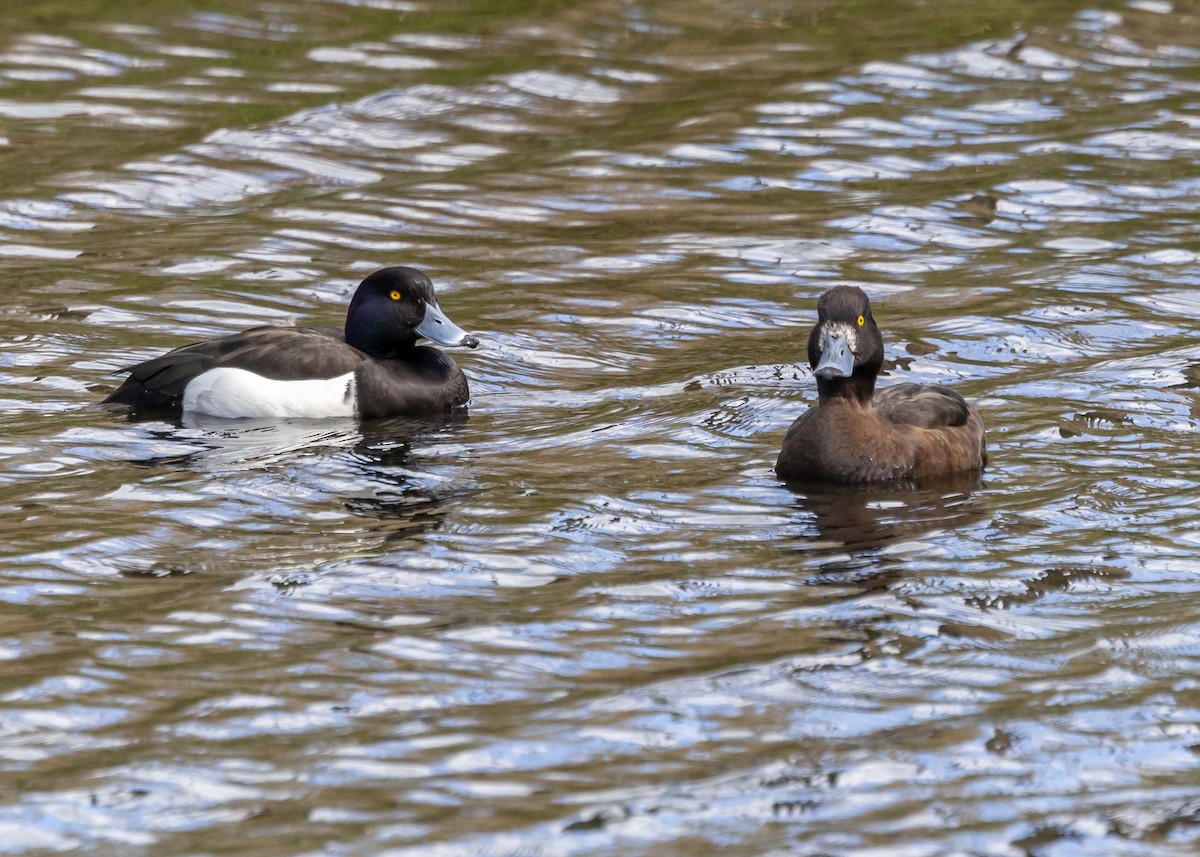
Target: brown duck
pixel 852 434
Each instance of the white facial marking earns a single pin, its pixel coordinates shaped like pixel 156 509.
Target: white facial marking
pixel 842 330
pixel 233 393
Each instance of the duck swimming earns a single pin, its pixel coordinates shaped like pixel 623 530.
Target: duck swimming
pixel 372 368
pixel 908 431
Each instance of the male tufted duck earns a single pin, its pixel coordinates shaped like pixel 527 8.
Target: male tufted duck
pixel 373 369
pixel 907 431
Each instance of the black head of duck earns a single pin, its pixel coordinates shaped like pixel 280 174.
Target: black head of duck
pixel 373 367
pixel 853 434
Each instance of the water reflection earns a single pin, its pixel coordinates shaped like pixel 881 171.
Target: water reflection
pixel 401 506
pixel 863 521
pixel 214 444
pixel 349 489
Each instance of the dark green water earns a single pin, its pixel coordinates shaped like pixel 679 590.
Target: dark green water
pixel 589 619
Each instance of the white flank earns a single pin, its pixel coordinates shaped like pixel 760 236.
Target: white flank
pixel 236 393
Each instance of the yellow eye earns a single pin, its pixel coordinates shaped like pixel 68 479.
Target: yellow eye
pixel 860 321
pixel 396 296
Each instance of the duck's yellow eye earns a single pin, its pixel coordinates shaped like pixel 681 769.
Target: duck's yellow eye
pixel 396 296
pixel 861 320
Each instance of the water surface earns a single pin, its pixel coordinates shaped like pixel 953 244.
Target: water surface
pixel 588 619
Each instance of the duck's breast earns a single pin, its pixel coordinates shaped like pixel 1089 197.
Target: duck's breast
pixel 426 381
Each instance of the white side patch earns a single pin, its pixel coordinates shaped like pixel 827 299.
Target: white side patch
pixel 235 393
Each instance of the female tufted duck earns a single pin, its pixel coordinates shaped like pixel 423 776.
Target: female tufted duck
pixel 907 431
pixel 373 369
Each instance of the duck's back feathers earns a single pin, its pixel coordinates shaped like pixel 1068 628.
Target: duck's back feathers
pixel 288 372
pixel 954 438
pixel 277 353
pixel 929 406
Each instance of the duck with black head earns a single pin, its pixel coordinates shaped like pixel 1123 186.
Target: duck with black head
pixel 371 368
pixel 852 434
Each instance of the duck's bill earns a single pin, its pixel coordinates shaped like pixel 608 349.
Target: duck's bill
pixel 837 360
pixel 437 327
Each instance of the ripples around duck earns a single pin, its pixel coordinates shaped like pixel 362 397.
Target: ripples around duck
pixel 587 618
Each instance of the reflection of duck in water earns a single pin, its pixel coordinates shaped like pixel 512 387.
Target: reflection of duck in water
pixel 401 505
pixel 343 488
pixel 860 519
pixel 374 368
pixel 906 432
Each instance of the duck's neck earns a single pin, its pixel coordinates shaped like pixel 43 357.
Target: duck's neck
pixel 857 389
pixel 380 344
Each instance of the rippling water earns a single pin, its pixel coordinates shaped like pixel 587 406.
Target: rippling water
pixel 588 619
